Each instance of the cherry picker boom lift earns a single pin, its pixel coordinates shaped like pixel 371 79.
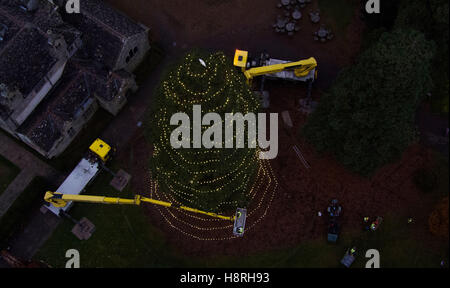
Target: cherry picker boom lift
pixel 303 70
pixel 270 68
pixel 99 154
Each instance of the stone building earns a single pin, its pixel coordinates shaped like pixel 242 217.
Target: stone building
pixel 33 55
pixel 110 37
pixel 53 78
pixel 53 126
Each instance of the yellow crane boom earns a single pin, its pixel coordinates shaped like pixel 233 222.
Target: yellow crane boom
pixel 300 68
pixel 61 200
pixel 102 152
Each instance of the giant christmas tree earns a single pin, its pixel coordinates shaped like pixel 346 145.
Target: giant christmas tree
pixel 215 179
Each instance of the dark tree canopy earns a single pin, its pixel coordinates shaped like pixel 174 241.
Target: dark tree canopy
pixel 209 179
pixel 367 118
pixel 427 16
pixel 431 18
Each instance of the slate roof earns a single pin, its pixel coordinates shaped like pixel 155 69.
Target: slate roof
pixel 76 87
pixel 25 55
pixel 25 60
pixel 104 30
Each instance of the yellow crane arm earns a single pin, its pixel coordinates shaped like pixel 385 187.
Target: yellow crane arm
pixel 301 68
pixel 61 200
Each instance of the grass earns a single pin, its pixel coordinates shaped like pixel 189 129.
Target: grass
pixel 8 171
pixel 393 240
pixel 124 238
pixel 15 217
pixel 338 13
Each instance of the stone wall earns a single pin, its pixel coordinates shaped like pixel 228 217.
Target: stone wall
pixel 134 51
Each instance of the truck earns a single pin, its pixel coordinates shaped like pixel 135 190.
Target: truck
pixel 84 173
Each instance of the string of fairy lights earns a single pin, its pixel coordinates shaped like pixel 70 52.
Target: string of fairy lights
pixel 212 229
pixel 188 176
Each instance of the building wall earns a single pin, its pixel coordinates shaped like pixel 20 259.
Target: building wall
pixel 138 43
pixel 114 106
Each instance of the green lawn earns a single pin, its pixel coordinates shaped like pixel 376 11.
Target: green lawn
pixel 124 238
pixel 17 215
pixel 393 240
pixel 8 171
